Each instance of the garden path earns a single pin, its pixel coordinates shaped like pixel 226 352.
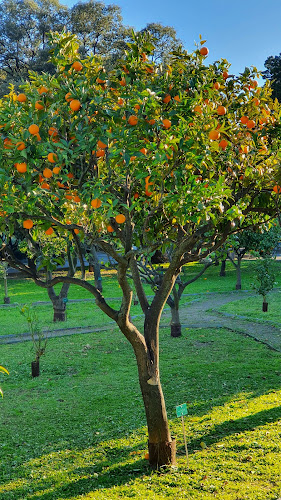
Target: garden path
pixel 199 313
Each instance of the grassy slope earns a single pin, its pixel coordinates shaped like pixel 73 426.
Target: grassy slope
pixel 78 431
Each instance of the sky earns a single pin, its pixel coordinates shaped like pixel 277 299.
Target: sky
pixel 245 32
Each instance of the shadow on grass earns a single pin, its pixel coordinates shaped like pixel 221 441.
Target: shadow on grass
pixel 232 427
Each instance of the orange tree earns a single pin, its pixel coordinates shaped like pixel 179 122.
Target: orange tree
pixel 139 159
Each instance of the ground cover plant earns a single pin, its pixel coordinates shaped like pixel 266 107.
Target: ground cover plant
pixel 71 434
pixel 135 160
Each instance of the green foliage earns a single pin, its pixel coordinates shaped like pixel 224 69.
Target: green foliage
pixel 265 277
pixel 39 338
pixel 273 74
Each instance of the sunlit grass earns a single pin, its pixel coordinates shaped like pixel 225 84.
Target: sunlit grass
pixel 78 431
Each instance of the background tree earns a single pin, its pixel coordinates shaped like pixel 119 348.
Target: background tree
pixel 164 39
pixel 134 160
pixel 100 30
pixel 23 41
pixel 273 74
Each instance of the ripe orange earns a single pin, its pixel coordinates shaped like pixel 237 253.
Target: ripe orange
pixel 225 75
pixel 45 185
pixel 166 123
pixel 253 84
pixel 251 124
pixel 76 231
pixel 244 119
pixel 120 101
pixel 27 224
pixel 277 189
pixel 244 149
pixel 216 85
pixel 198 110
pixel 120 218
pixel 39 105
pixel 21 167
pixel 75 105
pixel 49 231
pixel 143 151
pixel 56 170
pixel 70 175
pixel 68 97
pixel 101 145
pixel 204 51
pixel 21 98
pixel 33 129
pixel 96 203
pixel 221 110
pixel 110 229
pixel 177 98
pixel 100 81
pixel 223 144
pixel 100 153
pixel 8 143
pixel 53 131
pixel 123 82
pixel 77 66
pixel 256 101
pixel 133 120
pixel 42 90
pixel 214 135
pixel 52 157
pixel 20 146
pixel 47 172
pixel 167 98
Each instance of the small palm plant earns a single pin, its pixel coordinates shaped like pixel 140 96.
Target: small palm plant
pixel 39 339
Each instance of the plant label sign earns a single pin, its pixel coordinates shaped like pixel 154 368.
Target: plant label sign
pixel 181 410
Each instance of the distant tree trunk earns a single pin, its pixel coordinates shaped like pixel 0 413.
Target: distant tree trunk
pixel 94 266
pixel 5 277
pixel 222 269
pixel 238 273
pixel 59 302
pixel 265 304
pixel 175 322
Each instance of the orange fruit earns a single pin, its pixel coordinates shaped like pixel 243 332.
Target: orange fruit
pixel 68 97
pixel 39 105
pixel 177 98
pixel 221 110
pixel 133 120
pixel 33 129
pixel 70 175
pixel 244 119
pixel 77 66
pixel 49 231
pixel 253 84
pixel 75 104
pixel 198 110
pixel 277 189
pixel 101 145
pixel 146 456
pixel 123 82
pixel 100 153
pixel 42 90
pixel 96 203
pixel 21 167
pixel 52 157
pixel 56 170
pixel 204 51
pixel 27 224
pixel 214 135
pixel 223 144
pixel 216 85
pixel 45 185
pixel 110 229
pixel 152 121
pixel 167 98
pixel 143 151
pixel 120 101
pixel 244 149
pixel 21 98
pixel 256 101
pixel 76 198
pixel 53 131
pixel 120 218
pixel 225 75
pixel 47 172
pixel 166 123
pixel 76 231
pixel 20 146
pixel 250 124
pixel 8 143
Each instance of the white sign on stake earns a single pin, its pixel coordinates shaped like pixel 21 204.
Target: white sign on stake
pixel 181 411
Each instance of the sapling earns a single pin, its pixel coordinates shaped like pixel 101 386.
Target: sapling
pixel 39 338
pixel 264 280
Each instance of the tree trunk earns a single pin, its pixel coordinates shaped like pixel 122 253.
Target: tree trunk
pixel 265 305
pixel 175 322
pixel 238 274
pixel 35 368
pixel 59 306
pixel 223 266
pixel 6 297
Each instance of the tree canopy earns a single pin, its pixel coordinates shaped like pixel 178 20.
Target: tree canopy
pixel 273 74
pixel 140 158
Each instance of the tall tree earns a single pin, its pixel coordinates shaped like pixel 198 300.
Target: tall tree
pixel 164 40
pixel 100 30
pixel 134 160
pixel 23 36
pixel 273 73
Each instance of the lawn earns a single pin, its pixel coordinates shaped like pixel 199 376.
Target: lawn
pixel 78 431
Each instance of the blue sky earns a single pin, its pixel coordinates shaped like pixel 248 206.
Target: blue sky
pixel 245 32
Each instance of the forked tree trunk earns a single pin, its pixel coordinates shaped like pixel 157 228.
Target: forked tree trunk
pixel 175 322
pixel 161 447
pixel 59 309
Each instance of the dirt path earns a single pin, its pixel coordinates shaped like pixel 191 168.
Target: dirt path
pixel 196 314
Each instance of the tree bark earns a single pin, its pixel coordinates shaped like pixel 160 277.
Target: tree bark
pixel 238 273
pixel 175 322
pixel 35 368
pixel 223 266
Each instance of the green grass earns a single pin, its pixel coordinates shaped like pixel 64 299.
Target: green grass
pixel 251 308
pixel 78 431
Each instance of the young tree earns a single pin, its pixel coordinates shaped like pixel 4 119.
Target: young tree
pixel 133 161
